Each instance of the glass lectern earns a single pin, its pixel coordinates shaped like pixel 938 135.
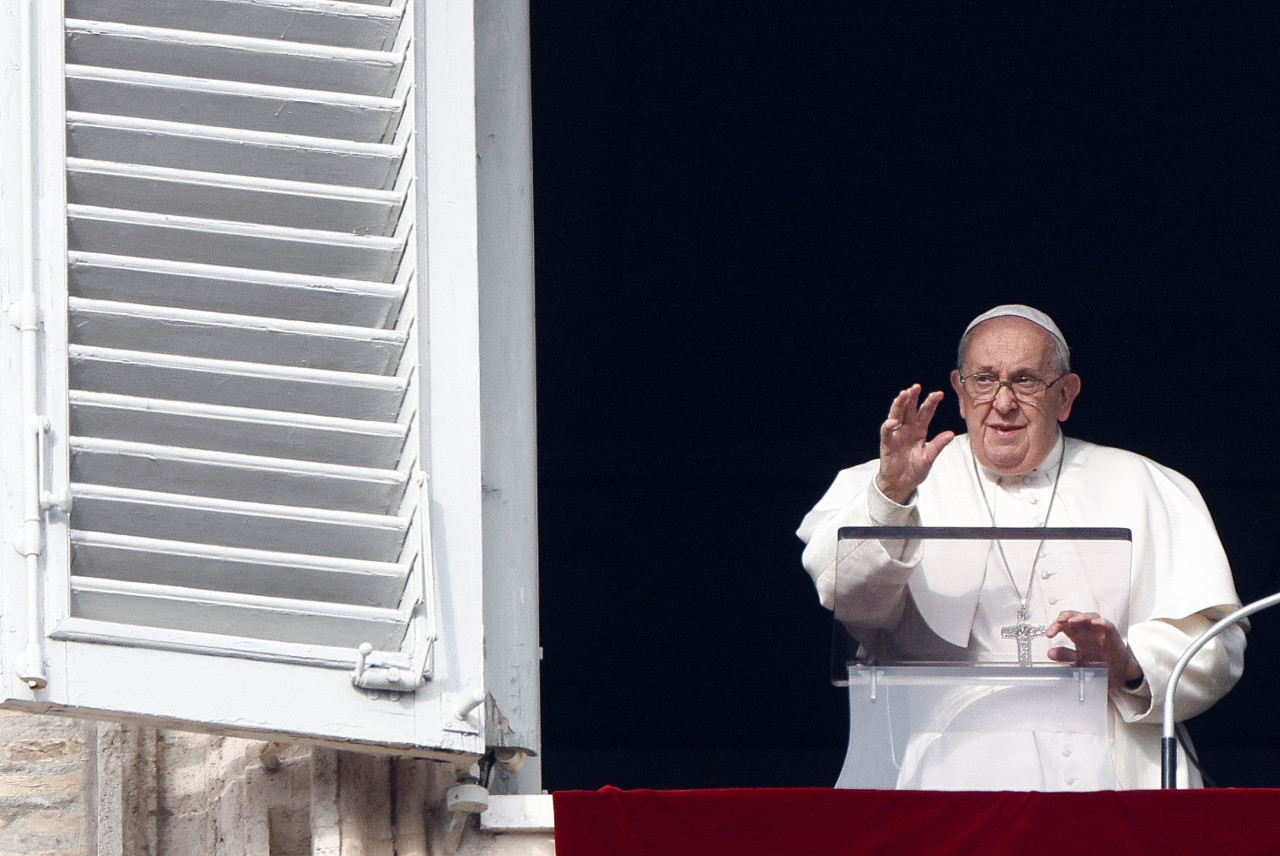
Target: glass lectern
pixel 939 634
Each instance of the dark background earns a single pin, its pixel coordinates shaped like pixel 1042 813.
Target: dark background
pixel 757 221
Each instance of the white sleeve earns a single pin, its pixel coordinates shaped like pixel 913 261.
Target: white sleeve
pixel 1158 644
pixel 871 589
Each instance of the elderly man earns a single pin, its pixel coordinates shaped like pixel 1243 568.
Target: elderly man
pixel 1015 468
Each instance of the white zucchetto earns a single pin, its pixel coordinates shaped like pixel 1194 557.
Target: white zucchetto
pixel 1018 310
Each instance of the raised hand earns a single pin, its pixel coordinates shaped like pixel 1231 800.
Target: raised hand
pixel 906 453
pixel 1097 641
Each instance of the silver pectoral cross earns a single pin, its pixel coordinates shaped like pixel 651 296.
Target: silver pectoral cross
pixel 1023 630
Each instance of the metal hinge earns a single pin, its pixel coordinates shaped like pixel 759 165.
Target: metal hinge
pixel 395 679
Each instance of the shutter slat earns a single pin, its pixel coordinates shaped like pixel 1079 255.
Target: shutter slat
pixel 217 288
pixel 193 333
pixel 269 433
pixel 227 523
pixel 233 151
pixel 356 23
pixel 189 193
pixel 253 60
pixel 347 395
pixel 226 475
pixel 204 611
pixel 204 241
pixel 256 572
pixel 145 95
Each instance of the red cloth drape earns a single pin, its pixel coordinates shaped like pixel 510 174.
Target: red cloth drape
pixel 745 822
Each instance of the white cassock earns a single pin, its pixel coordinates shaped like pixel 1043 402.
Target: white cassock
pixel 1180 585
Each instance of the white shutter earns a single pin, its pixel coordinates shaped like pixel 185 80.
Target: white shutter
pixel 245 429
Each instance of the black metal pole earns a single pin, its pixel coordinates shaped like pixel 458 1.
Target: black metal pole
pixel 1169 762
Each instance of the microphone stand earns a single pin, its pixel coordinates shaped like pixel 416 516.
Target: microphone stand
pixel 1168 741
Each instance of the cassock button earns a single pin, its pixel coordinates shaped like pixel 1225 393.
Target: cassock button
pixel 1034 500
pixel 1054 600
pixel 1044 575
pixel 1066 751
pixel 1071 780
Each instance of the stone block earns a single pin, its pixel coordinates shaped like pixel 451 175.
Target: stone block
pixel 49 823
pixel 43 749
pixel 47 831
pixel 41 787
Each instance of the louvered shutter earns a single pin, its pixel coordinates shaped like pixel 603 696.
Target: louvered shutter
pixel 247 388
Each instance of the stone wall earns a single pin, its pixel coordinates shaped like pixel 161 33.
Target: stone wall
pixel 75 788
pixel 46 785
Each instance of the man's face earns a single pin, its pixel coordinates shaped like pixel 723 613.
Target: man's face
pixel 1009 435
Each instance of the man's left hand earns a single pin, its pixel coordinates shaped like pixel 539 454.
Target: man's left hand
pixel 1096 640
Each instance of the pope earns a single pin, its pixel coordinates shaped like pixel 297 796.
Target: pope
pixel 1014 467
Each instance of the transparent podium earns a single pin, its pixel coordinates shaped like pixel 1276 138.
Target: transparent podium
pixel 927 712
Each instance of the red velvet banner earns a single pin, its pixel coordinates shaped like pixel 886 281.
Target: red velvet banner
pixel 745 822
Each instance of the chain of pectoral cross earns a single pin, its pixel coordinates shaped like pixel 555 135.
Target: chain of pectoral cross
pixel 1022 630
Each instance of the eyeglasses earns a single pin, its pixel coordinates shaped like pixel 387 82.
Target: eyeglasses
pixel 983 387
